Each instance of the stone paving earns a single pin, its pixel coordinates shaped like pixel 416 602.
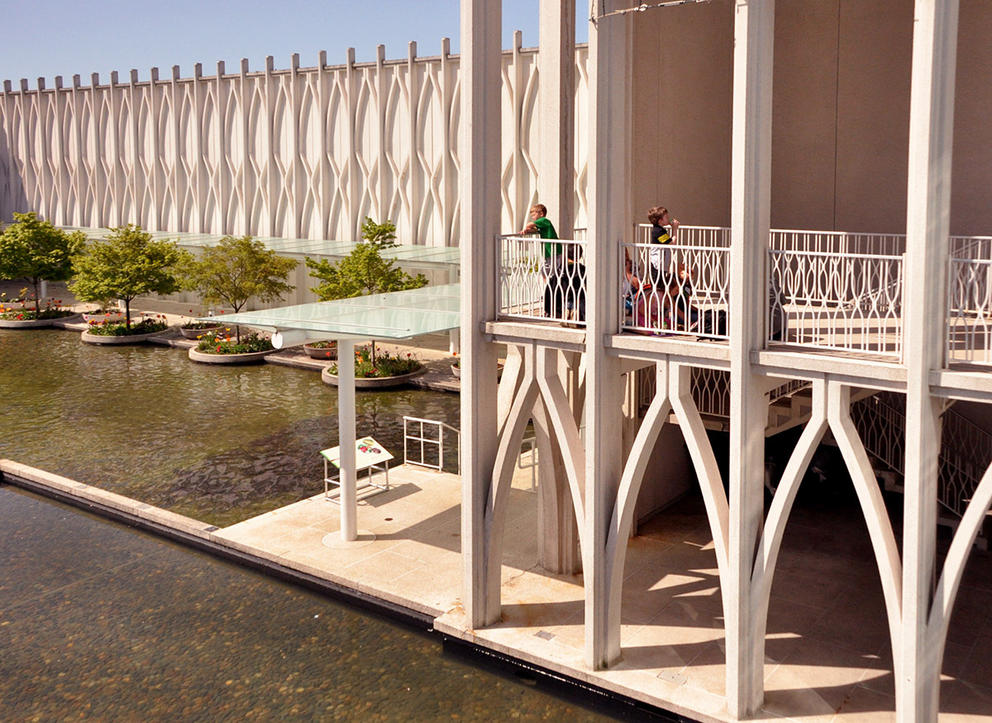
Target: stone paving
pixel 827 655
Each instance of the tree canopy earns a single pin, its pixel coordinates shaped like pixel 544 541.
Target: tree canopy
pixel 239 269
pixel 127 264
pixel 364 271
pixel 35 250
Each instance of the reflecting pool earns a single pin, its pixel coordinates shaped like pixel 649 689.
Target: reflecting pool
pixel 219 444
pixel 99 621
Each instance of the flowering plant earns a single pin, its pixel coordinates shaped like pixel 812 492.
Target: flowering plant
pixel 385 364
pixel 53 310
pixel 215 342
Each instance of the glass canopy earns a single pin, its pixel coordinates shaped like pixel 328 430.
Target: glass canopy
pixel 396 315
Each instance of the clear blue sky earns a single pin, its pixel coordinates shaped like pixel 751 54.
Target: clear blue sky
pixel 64 37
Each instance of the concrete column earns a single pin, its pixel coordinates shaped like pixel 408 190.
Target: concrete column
pixel 481 22
pixel 754 29
pixel 609 223
pixel 931 122
pixel 556 118
pixel 346 438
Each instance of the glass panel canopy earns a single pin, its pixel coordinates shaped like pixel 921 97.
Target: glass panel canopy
pixel 397 315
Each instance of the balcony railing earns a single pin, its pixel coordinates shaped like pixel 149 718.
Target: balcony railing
pixel 969 300
pixel 674 289
pixel 824 295
pixel 541 279
pixel 827 290
pixel 690 235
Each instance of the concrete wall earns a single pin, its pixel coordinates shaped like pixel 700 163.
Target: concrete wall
pixel 303 152
pixel 840 120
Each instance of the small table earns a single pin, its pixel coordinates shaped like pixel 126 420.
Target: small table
pixel 369 455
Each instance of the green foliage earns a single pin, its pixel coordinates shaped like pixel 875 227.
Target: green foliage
pixel 383 235
pixel 382 365
pixel 116 328
pixel 35 250
pixel 126 264
pixel 239 269
pixel 364 271
pixel 53 310
pixel 216 343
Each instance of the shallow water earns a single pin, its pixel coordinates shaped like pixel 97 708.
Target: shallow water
pixel 102 622
pixel 219 444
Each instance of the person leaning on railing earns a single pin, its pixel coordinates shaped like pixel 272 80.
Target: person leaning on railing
pixel 541 225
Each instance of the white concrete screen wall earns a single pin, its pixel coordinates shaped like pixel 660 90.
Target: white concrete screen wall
pixel 295 153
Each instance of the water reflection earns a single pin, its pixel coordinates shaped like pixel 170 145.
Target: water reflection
pixel 102 622
pixel 218 444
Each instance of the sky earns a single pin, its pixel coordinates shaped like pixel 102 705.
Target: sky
pixel 66 37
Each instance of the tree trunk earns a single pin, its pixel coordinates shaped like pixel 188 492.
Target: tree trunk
pixel 373 353
pixel 127 314
pixel 37 295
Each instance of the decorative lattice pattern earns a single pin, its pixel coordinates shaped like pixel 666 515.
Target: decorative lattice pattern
pixel 675 289
pixel 297 153
pixel 542 279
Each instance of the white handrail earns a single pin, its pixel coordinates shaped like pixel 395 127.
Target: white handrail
pixel 423 442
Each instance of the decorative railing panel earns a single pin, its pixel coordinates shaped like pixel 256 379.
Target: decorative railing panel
pixel 690 235
pixel 541 279
pixel 675 289
pixel 835 300
pixel 969 301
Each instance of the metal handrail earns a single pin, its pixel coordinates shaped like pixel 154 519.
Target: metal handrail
pixel 425 442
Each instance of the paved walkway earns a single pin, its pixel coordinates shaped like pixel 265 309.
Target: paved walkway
pixel 827 656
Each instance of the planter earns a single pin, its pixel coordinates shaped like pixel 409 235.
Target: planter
pixel 27 323
pixel 456 369
pixel 101 317
pixel 194 333
pixel 119 340
pixel 372 382
pixel 321 353
pixel 254 357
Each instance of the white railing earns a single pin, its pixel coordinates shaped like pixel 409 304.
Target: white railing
pixel 969 310
pixel 965 448
pixel 718 236
pixel 839 242
pixel 417 440
pixel 541 279
pixel 836 300
pixel 674 289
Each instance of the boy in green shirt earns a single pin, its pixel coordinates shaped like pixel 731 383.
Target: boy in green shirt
pixel 541 225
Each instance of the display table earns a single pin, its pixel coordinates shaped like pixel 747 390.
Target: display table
pixel 369 456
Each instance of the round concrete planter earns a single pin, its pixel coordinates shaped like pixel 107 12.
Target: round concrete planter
pixel 456 370
pixel 319 353
pixel 372 383
pixel 196 333
pixel 33 323
pixel 26 324
pixel 250 358
pixel 100 317
pixel 118 340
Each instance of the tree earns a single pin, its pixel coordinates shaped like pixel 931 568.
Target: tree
pixel 125 265
pixel 238 269
pixel 37 251
pixel 364 271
